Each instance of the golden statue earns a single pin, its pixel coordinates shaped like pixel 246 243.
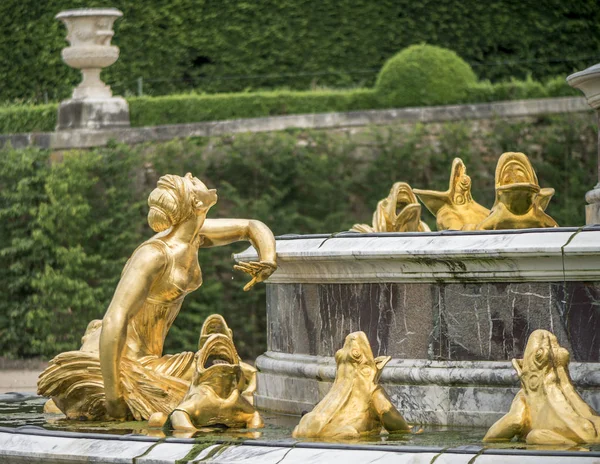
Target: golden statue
pixel 398 212
pixel 356 404
pixel 215 324
pixel 120 371
pixel 520 203
pixel 455 208
pixel 215 394
pixel 547 410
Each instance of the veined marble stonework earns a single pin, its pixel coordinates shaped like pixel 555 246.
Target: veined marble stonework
pixel 442 338
pixel 489 321
pixel 451 308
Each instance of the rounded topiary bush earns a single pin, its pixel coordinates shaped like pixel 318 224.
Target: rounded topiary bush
pixel 424 75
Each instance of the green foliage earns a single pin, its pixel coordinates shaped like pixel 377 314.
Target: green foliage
pixel 67 227
pixel 423 75
pixel 181 109
pixel 177 109
pixel 237 45
pixel 27 118
pixel 514 89
pixel 558 87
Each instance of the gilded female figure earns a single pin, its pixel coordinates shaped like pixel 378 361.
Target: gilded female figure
pixel 120 371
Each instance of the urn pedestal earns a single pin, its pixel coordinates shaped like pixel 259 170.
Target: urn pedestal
pixel 89 32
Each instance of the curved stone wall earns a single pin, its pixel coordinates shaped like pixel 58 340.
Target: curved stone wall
pixel 452 309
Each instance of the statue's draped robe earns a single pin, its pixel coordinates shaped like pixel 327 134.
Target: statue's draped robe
pixel 149 381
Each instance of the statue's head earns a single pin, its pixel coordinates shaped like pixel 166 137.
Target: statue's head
pixel 214 324
pixel 516 183
pixel 175 199
pixel 542 358
pixel 460 183
pixel 218 366
pixel 355 359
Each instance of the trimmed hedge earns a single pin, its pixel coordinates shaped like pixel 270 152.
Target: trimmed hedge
pixel 66 229
pixel 235 45
pixel 423 75
pixel 24 118
pixel 520 90
pixel 180 109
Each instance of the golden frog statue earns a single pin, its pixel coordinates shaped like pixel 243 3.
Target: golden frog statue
pixel 547 410
pixel 398 212
pixel 455 208
pixel 215 395
pixel 356 404
pixel 215 324
pixel 520 202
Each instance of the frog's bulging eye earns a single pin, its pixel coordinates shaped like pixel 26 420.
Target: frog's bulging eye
pixel 539 354
pixel 355 354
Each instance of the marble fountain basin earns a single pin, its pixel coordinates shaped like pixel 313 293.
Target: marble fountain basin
pixel 451 308
pixel 28 435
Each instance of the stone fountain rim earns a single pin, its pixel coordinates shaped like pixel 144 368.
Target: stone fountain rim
pixel 292 443
pixel 439 233
pixel 526 255
pixel 84 12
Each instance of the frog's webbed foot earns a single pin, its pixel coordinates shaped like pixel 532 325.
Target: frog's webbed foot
pixel 310 425
pixel 180 420
pixel 347 431
pixel 51 408
pixel 157 420
pixel 255 422
pixel 390 417
pixel 512 423
pixel 506 428
pixel 547 437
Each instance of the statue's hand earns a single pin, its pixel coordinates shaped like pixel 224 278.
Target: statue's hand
pixel 260 271
pixel 117 409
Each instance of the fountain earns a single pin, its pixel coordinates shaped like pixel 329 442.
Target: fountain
pixel 427 323
pixel 388 342
pixel 452 307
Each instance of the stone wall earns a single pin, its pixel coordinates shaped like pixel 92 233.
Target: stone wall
pixel 67 139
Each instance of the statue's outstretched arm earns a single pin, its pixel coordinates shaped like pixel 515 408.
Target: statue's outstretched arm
pixel 144 266
pixel 217 232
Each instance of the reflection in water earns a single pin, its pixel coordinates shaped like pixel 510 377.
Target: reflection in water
pixel 277 427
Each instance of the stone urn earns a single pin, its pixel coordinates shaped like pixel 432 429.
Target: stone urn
pixel 89 33
pixel 588 81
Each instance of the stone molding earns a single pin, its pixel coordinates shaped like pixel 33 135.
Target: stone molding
pixel 546 255
pixel 37 445
pixel 418 371
pixel 463 393
pixel 94 138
